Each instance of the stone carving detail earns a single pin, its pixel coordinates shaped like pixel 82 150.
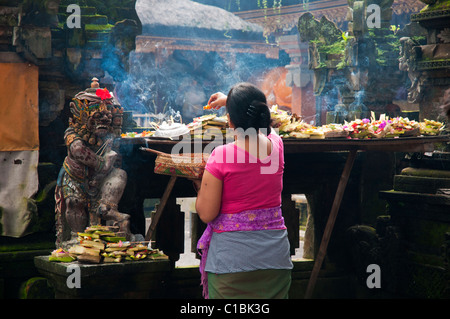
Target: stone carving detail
pixel 429 60
pixel 354 62
pixel 445 106
pixel 409 56
pixel 445 35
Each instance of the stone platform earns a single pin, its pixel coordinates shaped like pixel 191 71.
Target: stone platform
pixel 133 279
pixel 419 207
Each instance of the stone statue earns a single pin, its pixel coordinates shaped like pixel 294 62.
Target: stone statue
pixel 382 246
pixel 90 184
pixel 409 53
pixel 446 104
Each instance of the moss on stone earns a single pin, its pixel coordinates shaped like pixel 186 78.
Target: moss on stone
pixel 36 288
pixel 438 5
pixel 98 27
pixel 27 246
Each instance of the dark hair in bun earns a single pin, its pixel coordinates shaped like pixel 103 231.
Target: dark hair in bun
pixel 247 107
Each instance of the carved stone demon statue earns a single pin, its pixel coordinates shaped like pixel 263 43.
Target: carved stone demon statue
pixel 446 105
pixel 90 184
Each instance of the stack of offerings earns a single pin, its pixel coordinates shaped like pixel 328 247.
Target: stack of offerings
pixel 430 127
pixel 104 244
pixel 208 126
pixel 291 126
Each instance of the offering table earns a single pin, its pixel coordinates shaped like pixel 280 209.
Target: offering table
pixel 131 279
pixel 295 149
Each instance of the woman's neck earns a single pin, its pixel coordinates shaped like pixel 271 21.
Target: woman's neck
pixel 256 144
pixel 247 138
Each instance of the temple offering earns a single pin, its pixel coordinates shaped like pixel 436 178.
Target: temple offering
pixel 429 127
pixel 392 128
pixel 208 126
pixel 334 131
pixel 291 125
pixel 171 130
pixel 359 128
pixel 105 244
pixel 190 165
pixel 136 134
pixel 400 126
pixel 61 255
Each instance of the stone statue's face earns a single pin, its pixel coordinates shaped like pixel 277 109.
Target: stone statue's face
pixel 52 7
pixel 117 121
pixel 100 122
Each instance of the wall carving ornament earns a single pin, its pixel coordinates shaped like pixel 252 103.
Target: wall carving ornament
pixel 335 11
pixel 154 44
pixel 427 62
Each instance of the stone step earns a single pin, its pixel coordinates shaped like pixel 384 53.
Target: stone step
pixel 426 172
pixel 420 184
pixel 418 205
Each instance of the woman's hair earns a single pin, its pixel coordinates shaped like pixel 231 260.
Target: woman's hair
pixel 247 107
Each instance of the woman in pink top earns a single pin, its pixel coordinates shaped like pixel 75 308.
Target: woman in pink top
pixel 245 250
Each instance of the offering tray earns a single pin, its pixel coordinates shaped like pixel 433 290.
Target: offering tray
pixel 190 165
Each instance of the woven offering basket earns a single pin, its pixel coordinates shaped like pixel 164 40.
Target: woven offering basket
pixel 189 165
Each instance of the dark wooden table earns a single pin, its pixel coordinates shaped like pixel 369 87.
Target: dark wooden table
pixel 351 146
pixel 294 145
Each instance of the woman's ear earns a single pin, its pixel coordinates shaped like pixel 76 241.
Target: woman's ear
pixel 230 124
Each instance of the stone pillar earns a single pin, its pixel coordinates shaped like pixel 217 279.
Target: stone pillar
pixel 299 77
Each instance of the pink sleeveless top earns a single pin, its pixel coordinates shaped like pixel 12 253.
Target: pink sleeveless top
pixel 244 175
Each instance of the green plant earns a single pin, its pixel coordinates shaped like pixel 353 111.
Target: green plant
pixel 394 28
pixel 337 48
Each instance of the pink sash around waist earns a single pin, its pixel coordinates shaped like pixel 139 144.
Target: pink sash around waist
pixel 249 220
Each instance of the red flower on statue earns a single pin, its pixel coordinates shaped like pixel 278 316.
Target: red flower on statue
pixel 103 94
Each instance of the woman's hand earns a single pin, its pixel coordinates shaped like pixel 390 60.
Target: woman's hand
pixel 217 100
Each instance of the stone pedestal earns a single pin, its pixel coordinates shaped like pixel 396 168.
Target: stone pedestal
pixel 134 279
pixel 420 209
